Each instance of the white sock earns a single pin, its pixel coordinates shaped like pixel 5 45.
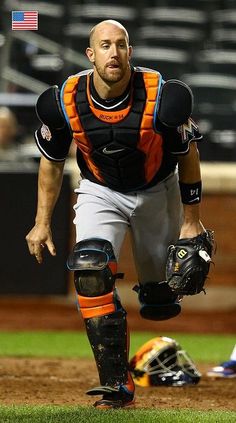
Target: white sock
pixel 233 355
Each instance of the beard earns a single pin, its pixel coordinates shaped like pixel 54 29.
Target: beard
pixel 109 75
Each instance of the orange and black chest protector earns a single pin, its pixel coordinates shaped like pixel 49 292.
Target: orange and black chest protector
pixel 119 149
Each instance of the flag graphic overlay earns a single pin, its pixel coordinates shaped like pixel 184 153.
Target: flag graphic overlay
pixel 24 20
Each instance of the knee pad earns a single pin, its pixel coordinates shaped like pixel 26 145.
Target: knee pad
pixel 95 267
pixel 157 301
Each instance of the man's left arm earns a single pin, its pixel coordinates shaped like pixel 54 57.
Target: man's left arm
pixel 189 259
pixel 190 188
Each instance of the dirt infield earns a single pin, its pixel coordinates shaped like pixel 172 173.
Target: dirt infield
pixel 50 314
pixel 64 382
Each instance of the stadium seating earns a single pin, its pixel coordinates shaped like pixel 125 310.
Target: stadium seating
pixel 224 18
pixel 207 5
pixel 224 39
pixel 216 61
pixel 77 35
pixel 171 36
pixel 214 110
pixel 93 13
pixel 182 17
pixel 171 63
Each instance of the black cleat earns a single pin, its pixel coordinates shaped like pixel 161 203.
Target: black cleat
pixel 112 397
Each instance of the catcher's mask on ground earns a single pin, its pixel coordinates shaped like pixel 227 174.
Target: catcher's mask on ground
pixel 161 361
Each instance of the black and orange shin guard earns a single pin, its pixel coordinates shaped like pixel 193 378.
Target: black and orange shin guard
pixel 106 326
pixel 108 338
pixel 95 267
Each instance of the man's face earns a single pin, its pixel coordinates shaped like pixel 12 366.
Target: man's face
pixel 110 53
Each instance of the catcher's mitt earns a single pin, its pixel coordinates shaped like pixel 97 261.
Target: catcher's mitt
pixel 188 263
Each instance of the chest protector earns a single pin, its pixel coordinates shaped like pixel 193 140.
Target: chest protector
pixel 120 149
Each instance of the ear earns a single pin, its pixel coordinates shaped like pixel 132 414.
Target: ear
pixel 130 51
pixel 90 54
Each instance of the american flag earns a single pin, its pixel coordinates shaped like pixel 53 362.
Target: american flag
pixel 24 20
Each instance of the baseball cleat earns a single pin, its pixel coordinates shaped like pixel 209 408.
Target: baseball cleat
pixel 225 370
pixel 112 397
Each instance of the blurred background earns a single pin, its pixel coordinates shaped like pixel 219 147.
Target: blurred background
pixel 194 41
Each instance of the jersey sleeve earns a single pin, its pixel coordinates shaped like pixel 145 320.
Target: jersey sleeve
pixel 178 139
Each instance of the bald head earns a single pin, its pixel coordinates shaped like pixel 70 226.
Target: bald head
pixel 103 24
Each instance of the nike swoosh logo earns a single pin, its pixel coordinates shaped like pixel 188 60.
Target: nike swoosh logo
pixel 194 199
pixel 106 151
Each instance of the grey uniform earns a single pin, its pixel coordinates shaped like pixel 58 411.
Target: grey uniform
pixel 153 217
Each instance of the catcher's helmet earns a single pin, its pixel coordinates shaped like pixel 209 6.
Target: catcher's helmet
pixel 161 361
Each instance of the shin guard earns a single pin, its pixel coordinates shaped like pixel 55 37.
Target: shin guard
pixel 109 339
pixel 95 267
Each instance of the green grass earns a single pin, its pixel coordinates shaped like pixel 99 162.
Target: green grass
pixel 202 348
pixel 49 414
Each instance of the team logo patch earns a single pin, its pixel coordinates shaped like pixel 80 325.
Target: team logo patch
pixel 45 132
pixel 188 130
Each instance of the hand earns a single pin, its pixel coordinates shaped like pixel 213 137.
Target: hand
pixel 39 237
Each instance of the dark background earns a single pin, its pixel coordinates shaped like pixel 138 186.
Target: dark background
pixel 19 271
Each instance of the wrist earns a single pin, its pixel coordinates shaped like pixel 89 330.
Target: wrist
pixel 191 228
pixel 191 193
pixel 43 221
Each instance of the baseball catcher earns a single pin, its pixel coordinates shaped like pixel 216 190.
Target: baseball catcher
pixel 136 151
pixel 188 263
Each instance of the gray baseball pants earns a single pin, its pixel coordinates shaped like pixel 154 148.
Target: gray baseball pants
pixel 153 217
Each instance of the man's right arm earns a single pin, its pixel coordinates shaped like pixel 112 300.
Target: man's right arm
pixel 49 186
pixel 53 139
